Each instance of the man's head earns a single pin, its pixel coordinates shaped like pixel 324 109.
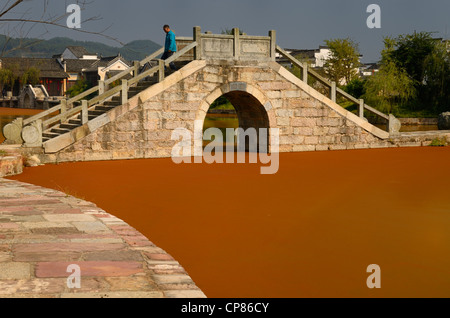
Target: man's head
pixel 166 28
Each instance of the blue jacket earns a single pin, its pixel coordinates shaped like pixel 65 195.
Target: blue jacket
pixel 171 44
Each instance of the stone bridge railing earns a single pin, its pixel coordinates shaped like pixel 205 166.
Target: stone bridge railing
pixel 30 131
pixel 236 46
pixel 393 125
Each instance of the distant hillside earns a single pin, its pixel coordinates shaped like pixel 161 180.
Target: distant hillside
pixel 30 47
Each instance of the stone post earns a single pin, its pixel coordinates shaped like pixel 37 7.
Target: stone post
pixel 84 112
pixel 305 73
pixel 161 70
pixel 13 132
pixel 273 44
pixel 63 110
pixel 32 134
pixel 394 125
pixel 101 87
pixel 361 108
pixel 124 91
pixel 46 104
pixel 137 66
pixel 198 39
pixel 333 91
pixel 237 43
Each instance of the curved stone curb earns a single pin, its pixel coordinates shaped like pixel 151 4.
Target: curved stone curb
pixel 10 165
pixel 43 231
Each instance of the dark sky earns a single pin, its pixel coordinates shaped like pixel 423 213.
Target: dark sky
pixel 299 24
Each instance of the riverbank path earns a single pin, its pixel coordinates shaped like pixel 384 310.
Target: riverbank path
pixel 45 234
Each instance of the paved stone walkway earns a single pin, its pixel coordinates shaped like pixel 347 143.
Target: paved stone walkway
pixel 43 231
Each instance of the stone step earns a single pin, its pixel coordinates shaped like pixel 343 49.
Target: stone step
pixel 90 116
pixel 112 103
pixel 59 131
pixel 68 126
pixel 148 83
pixel 49 135
pixel 96 112
pixel 104 108
pixel 75 122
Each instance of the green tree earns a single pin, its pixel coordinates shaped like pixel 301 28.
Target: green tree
pixel 341 66
pixel 8 76
pixel 31 76
pixel 356 87
pixel 390 86
pixel 436 78
pixel 302 58
pixel 410 51
pixel 230 32
pixel 422 62
pixel 79 87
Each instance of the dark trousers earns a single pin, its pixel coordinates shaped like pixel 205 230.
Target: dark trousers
pixel 165 56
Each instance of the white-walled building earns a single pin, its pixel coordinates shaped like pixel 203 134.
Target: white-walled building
pixel 315 57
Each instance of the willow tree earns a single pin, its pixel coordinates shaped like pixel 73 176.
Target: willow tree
pixel 391 86
pixel 31 76
pixel 436 88
pixel 8 76
pixel 343 63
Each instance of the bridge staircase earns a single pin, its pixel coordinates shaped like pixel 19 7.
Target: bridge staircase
pixel 63 119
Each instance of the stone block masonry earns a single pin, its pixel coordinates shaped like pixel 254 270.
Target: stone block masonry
pixel 43 231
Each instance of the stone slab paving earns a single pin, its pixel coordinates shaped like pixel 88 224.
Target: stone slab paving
pixel 43 232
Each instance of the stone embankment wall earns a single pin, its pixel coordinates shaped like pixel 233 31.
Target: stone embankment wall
pixel 10 165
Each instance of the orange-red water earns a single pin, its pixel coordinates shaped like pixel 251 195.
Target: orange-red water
pixel 309 231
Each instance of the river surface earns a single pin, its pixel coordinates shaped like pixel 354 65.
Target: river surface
pixel 311 230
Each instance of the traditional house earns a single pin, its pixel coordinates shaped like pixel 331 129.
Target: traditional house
pixel 369 69
pixel 51 74
pixel 93 70
pixel 76 53
pixel 76 70
pixel 60 73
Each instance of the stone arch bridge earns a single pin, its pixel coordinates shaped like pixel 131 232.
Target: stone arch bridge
pixel 136 118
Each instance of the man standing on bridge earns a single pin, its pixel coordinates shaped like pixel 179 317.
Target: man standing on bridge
pixel 170 47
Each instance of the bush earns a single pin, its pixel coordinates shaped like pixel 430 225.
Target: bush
pixel 438 142
pixel 79 87
pixel 356 88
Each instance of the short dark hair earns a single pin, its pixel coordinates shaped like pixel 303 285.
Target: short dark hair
pixel 166 26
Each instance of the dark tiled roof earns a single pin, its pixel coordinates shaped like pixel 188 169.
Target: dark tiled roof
pixel 304 53
pixel 49 68
pixel 113 59
pixel 78 65
pixel 371 66
pixel 107 61
pixel 79 51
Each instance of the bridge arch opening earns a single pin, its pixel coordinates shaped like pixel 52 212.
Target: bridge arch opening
pixel 239 109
